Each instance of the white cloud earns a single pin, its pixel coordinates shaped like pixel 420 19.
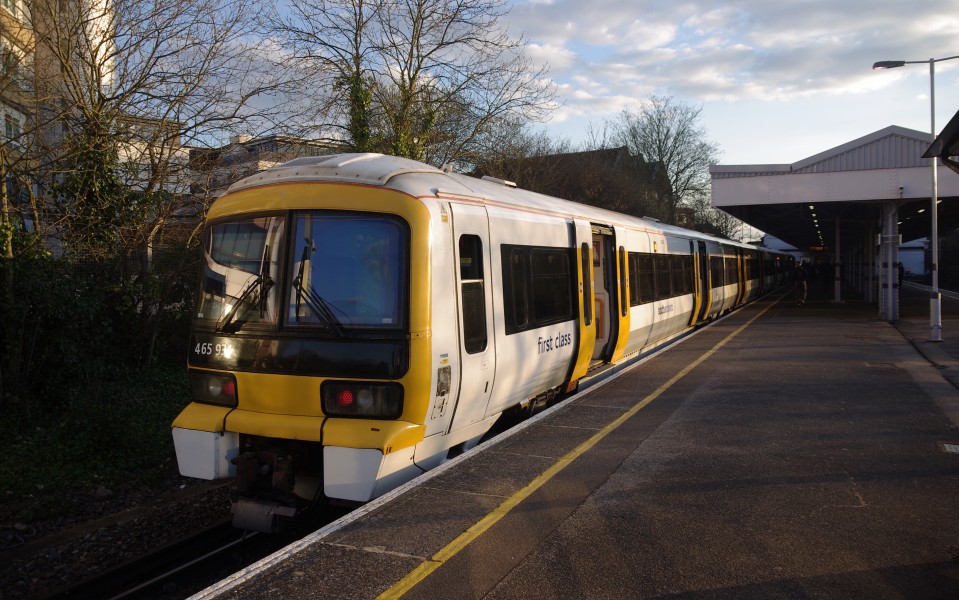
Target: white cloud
pixel 769 56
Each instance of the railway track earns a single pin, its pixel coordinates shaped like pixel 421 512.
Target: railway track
pixel 190 564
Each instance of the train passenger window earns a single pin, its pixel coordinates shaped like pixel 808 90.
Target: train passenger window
pixel 517 312
pixel 538 286
pixel 473 294
pixel 682 274
pixel 642 282
pixel 518 284
pixel 664 284
pixel 731 270
pixel 550 273
pixel 678 272
pixel 647 277
pixel 634 282
pixel 716 270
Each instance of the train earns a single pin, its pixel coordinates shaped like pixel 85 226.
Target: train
pixel 363 317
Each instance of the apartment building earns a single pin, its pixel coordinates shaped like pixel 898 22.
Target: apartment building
pixel 16 44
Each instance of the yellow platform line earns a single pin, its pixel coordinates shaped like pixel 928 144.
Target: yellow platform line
pixel 466 538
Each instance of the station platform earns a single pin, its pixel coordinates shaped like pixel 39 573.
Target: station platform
pixel 784 452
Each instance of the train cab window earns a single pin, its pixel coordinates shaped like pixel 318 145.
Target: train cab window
pixel 347 271
pixel 473 293
pixel 241 266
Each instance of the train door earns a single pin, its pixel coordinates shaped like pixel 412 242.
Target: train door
pixel 477 351
pixel 582 240
pixel 611 293
pixel 703 285
pixel 741 276
pixel 604 293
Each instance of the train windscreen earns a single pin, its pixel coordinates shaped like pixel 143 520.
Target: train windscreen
pixel 241 267
pixel 347 270
pixel 341 271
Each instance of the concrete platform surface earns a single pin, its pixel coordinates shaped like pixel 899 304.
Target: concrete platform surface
pixel 784 452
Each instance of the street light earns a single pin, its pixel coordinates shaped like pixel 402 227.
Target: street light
pixel 935 298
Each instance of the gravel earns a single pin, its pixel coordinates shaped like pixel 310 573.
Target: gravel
pixel 108 527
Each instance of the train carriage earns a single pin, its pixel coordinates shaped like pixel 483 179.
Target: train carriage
pixel 361 316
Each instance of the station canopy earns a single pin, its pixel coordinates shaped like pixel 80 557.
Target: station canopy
pixel 842 190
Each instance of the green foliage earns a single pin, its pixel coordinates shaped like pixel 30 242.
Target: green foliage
pixel 99 215
pixel 360 99
pixel 74 323
pixel 118 436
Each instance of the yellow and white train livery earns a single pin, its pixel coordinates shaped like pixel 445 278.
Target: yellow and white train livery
pixel 361 315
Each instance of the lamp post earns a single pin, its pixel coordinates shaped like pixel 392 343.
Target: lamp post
pixel 935 298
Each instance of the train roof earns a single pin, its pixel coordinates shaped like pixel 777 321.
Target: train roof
pixel 365 168
pixel 418 179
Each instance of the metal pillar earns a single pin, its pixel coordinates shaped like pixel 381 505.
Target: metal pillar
pixel 889 308
pixel 837 270
pixel 870 258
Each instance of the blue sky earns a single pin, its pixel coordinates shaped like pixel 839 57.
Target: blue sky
pixel 777 81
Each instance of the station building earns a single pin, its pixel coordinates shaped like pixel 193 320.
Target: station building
pixel 849 208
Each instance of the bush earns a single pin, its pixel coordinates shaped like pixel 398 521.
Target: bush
pixel 119 436
pixel 93 373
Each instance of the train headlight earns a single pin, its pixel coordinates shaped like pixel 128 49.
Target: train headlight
pixel 362 399
pixel 213 388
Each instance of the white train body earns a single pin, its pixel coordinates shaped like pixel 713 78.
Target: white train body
pixel 474 298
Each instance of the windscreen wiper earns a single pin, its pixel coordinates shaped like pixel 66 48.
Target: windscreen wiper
pixel 320 308
pixel 262 283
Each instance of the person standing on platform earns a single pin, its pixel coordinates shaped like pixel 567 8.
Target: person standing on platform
pixel 800 281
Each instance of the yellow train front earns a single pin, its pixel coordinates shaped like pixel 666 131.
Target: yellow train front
pixel 360 315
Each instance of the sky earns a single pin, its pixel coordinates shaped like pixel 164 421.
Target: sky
pixel 777 80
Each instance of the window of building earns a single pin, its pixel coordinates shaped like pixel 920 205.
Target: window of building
pixel 11 126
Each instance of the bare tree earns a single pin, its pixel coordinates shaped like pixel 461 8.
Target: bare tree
pixel 117 91
pixel 713 220
pixel 668 133
pixel 607 177
pixel 126 84
pixel 332 45
pixel 425 79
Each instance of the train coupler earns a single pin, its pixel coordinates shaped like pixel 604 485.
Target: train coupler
pixel 261 515
pixel 263 491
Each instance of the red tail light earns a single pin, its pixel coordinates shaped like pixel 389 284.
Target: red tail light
pixel 344 399
pixel 213 388
pixel 363 399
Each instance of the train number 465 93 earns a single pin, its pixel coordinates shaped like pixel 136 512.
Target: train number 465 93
pixel 215 350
